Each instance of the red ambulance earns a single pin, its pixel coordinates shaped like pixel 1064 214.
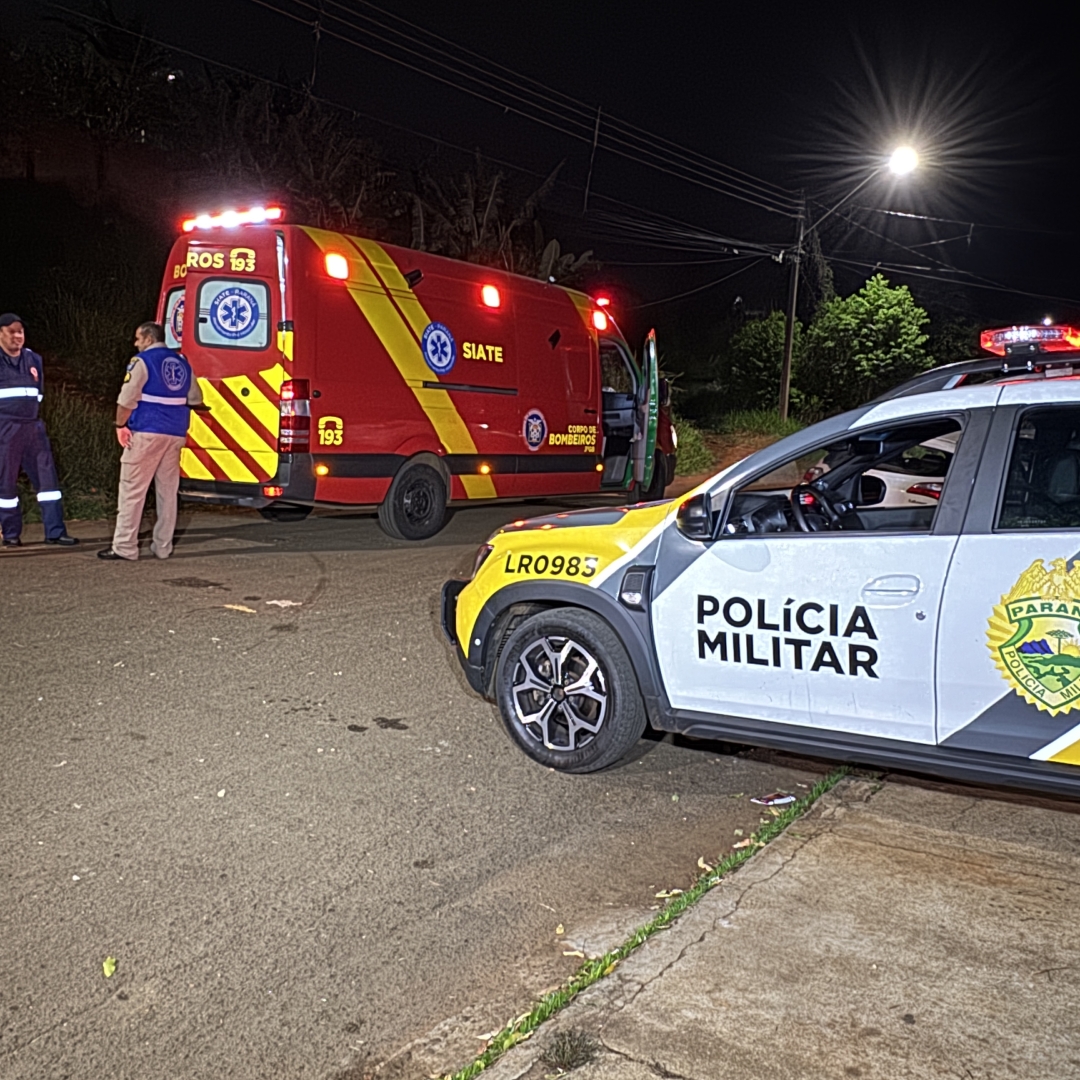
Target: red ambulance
pixel 343 372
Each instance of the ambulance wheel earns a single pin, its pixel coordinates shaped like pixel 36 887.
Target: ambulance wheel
pixel 284 512
pixel 415 505
pixel 567 692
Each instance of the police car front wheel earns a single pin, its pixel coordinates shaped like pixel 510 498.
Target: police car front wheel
pixel 567 692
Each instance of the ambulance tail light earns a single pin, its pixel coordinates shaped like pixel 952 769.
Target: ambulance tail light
pixel 1028 339
pixel 294 428
pixel 927 490
pixel 272 491
pixel 599 320
pixel 337 266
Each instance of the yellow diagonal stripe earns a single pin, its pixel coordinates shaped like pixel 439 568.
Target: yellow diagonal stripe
pixel 192 467
pixel 232 421
pixel 399 327
pixel 274 377
pixel 261 407
pixel 585 309
pixel 223 457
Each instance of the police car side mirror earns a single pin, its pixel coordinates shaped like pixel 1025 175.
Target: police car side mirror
pixel 694 518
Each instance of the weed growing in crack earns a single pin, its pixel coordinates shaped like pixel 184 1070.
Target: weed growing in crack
pixel 570 1049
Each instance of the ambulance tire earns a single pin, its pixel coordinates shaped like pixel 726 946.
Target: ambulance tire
pixel 596 662
pixel 415 505
pixel 284 512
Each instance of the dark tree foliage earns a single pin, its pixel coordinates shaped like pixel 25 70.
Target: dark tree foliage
pixel 476 217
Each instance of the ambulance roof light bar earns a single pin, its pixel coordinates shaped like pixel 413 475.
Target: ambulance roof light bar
pixel 230 219
pixel 1014 340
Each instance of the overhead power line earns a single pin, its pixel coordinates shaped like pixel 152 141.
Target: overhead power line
pixel 564 115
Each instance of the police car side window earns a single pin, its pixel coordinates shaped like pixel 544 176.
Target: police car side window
pixel 233 314
pixel 874 481
pixel 1042 485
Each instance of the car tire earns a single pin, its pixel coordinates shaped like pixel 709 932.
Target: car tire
pixel 571 732
pixel 415 505
pixel 284 512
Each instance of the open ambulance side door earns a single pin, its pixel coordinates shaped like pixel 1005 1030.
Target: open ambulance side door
pixel 644 450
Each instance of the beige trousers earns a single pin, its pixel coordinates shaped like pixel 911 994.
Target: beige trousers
pixel 148 457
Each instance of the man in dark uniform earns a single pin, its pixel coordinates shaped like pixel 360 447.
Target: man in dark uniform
pixel 23 443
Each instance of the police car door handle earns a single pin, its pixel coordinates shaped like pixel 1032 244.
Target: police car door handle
pixel 892 587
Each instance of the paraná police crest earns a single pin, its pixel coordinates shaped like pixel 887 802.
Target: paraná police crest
pixel 1034 636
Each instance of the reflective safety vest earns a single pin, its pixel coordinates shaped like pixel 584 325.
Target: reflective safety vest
pixel 163 407
pixel 20 385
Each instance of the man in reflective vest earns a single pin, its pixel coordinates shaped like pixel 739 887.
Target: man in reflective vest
pixel 24 446
pixel 152 416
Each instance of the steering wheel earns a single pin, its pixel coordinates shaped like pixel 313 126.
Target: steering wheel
pixel 800 516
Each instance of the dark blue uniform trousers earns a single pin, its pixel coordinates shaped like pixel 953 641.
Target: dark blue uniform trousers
pixel 25 446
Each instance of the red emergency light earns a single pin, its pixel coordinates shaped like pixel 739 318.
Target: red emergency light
pixel 1031 338
pixel 603 301
pixel 230 219
pixel 599 320
pixel 337 266
pixel 490 295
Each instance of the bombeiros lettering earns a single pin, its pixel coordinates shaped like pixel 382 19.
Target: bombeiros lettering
pixel 583 435
pixel 799 635
pixel 241 260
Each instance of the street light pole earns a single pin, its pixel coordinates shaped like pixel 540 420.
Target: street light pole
pixel 903 160
pixel 789 328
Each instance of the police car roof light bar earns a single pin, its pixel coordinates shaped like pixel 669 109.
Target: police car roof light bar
pixel 1030 339
pixel 230 219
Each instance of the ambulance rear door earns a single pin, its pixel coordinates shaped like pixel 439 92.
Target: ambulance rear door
pixel 224 321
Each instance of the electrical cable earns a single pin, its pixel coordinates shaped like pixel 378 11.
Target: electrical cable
pixel 703 177
pixel 958 221
pixel 587 111
pixel 700 288
pixel 965 284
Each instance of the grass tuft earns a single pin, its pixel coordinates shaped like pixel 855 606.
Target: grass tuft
pixel 759 422
pixel 692 455
pixel 593 970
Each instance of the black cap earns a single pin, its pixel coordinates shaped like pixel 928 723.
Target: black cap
pixel 8 318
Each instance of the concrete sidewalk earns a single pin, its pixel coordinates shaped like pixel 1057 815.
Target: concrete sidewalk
pixel 894 932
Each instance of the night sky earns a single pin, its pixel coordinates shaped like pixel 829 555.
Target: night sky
pixel 804 97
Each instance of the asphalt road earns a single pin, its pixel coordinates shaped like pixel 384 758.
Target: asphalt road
pixel 254 776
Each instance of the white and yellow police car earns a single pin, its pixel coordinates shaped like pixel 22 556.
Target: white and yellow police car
pixel 815 616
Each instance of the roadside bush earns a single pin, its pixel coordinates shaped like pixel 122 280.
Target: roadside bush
pixel 693 455
pixel 86 451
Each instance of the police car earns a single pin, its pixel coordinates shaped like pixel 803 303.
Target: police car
pixel 763 608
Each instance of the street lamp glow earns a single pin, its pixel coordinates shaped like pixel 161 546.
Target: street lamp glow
pixel 904 160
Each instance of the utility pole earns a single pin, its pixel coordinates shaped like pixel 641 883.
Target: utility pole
pixel 789 329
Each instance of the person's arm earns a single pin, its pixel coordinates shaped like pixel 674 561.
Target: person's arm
pixel 128 401
pixel 195 398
